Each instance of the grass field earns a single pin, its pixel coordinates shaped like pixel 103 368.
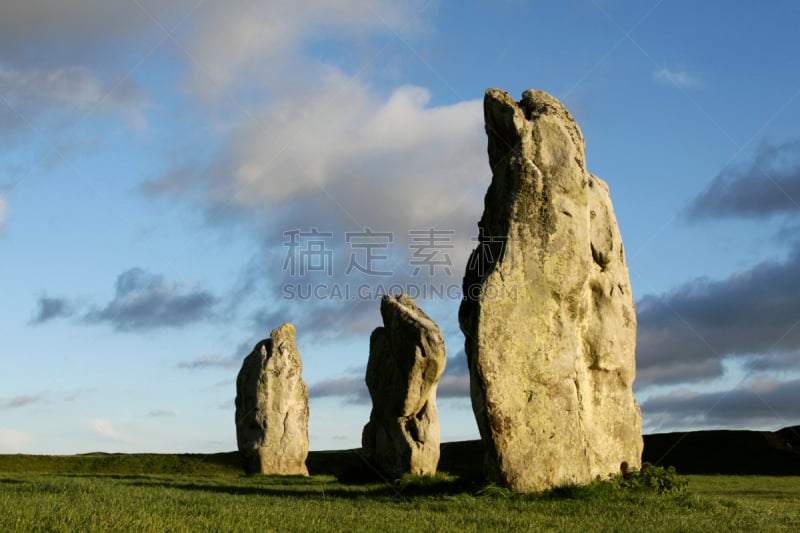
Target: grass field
pixel 207 493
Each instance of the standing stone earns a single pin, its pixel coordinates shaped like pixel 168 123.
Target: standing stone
pixel 272 407
pixel 548 313
pixel 406 359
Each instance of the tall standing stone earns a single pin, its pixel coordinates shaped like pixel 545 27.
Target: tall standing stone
pixel 406 359
pixel 272 407
pixel 548 313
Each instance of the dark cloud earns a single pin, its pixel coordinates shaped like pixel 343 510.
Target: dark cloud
pixel 762 404
pixel 220 361
pixel 52 308
pixel 326 320
pixel 684 335
pixel 211 361
pixel 455 380
pixel 343 304
pixel 84 31
pixel 453 386
pixel 768 185
pixel 351 387
pixel 23 400
pixel 146 301
pixel 31 92
pixel 457 365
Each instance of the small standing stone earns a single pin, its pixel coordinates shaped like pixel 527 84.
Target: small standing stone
pixel 406 359
pixel 272 407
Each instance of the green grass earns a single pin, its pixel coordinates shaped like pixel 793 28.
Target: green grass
pixel 225 502
pixel 159 492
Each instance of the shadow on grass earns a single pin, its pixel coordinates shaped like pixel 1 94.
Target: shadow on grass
pixel 321 486
pixel 291 487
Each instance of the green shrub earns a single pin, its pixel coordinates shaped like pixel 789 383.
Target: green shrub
pixel 652 478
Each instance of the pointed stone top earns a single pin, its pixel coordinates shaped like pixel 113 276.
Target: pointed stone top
pixel 407 309
pixel 535 120
pixel 534 103
pixel 283 329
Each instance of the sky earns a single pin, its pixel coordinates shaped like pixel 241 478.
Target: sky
pixel 179 178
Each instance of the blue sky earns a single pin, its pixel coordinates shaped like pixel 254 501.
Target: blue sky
pixel 156 157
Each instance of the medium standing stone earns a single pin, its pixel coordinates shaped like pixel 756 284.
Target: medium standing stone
pixel 272 407
pixel 548 313
pixel 406 359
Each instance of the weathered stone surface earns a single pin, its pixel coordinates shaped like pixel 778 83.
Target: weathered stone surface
pixel 272 407
pixel 548 313
pixel 406 359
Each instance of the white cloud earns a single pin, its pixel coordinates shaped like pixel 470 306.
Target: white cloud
pixel 236 41
pixel 303 135
pixel 104 428
pixel 676 78
pixel 340 152
pixel 379 155
pixel 318 146
pixel 12 441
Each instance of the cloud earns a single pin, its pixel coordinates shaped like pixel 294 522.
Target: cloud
pixel 676 78
pixel 85 55
pixel 455 380
pixel 353 388
pixel 685 335
pixel 71 396
pixel 453 384
pixel 220 361
pixel 323 149
pixel 773 362
pixel 63 62
pixel 60 95
pixel 12 441
pixel 104 428
pixel 242 42
pixel 23 400
pixel 340 158
pixel 163 413
pixel 759 404
pixel 322 317
pixel 211 361
pixel 766 186
pixel 326 149
pixel 3 216
pixel 52 308
pixel 314 301
pixel 94 31
pixel 146 301
pixel 457 365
